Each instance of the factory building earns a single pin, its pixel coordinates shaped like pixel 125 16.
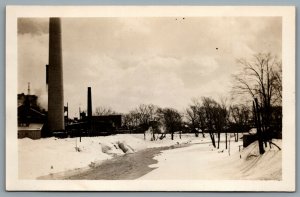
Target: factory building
pixel 31 118
pixel 34 123
pixel 90 125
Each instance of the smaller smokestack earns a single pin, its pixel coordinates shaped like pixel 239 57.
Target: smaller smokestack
pixel 89 104
pixel 89 109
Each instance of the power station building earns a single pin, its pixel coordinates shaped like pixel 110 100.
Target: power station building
pixel 90 125
pixel 31 117
pixel 53 122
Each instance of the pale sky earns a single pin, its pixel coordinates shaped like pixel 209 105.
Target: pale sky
pixel 131 61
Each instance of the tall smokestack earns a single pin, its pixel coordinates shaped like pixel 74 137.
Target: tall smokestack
pixel 89 104
pixel 55 78
pixel 89 108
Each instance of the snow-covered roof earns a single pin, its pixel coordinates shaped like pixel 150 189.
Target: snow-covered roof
pixel 31 126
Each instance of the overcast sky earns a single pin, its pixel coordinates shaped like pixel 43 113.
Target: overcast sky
pixel 130 61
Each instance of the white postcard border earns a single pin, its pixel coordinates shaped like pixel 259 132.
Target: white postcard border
pixel 288 58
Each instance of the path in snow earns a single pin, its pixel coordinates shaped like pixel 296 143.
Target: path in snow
pixel 125 167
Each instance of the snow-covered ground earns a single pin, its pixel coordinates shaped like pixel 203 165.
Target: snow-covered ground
pixel 52 155
pixel 199 161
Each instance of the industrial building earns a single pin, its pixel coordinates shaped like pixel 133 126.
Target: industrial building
pixel 35 123
pixel 31 118
pixel 89 125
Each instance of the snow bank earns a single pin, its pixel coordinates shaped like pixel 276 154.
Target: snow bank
pixel 52 155
pixel 264 167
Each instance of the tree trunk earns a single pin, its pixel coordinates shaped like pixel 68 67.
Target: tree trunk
pixel 212 137
pixel 218 140
pixel 265 141
pixel 203 135
pixel 153 136
pixel 234 135
pixel 172 135
pixel 196 133
pixel 258 126
pixel 226 140
pixel 229 146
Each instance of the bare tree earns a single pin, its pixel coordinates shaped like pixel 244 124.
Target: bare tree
pixel 209 109
pixel 172 120
pixel 193 119
pixel 195 115
pixel 200 116
pixel 224 114
pixel 260 78
pixel 127 121
pixel 103 110
pixel 141 117
pixel 132 119
pixel 278 84
pixel 240 116
pixel 146 113
pixel 214 118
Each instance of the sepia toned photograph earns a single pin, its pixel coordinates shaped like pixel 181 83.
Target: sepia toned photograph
pixel 150 100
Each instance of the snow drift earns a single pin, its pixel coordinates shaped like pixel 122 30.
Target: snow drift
pixel 263 167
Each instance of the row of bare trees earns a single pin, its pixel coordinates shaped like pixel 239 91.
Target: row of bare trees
pixel 140 117
pixel 144 116
pixel 206 115
pixel 260 78
pixel 103 110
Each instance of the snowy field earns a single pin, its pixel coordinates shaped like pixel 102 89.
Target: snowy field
pixel 198 161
